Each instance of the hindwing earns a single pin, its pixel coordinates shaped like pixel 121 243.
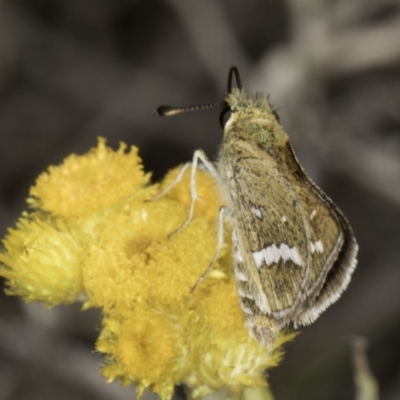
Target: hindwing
pixel 289 239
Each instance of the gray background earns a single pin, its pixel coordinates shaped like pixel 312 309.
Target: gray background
pixel 73 70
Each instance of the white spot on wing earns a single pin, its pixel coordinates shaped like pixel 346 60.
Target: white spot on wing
pixel 284 219
pixel 256 212
pixel 272 254
pixel 313 214
pixel 317 247
pixel 228 172
pixel 240 276
pixel 261 300
pixel 241 293
pixel 237 256
pixel 246 309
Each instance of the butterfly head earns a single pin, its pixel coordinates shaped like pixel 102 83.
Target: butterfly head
pixel 249 117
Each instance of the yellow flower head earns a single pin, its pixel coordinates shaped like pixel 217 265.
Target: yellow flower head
pixel 94 181
pixel 103 233
pixel 44 255
pixel 42 261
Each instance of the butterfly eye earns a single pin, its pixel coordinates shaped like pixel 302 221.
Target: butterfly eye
pixel 224 116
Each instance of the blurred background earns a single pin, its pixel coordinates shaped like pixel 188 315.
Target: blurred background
pixel 74 70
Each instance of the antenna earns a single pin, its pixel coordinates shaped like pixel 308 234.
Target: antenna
pixel 167 111
pixel 234 72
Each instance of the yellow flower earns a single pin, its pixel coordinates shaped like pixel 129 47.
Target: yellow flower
pixel 95 181
pixel 42 261
pixel 99 233
pixel 44 255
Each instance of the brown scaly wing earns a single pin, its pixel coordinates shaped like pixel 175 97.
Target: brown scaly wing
pixel 334 246
pixel 272 256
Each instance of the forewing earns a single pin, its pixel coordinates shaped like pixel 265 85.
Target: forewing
pixel 271 237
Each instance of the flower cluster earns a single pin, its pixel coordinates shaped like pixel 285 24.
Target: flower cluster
pixel 97 233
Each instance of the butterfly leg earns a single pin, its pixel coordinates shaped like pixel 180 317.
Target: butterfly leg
pixel 198 155
pixel 172 184
pixel 223 212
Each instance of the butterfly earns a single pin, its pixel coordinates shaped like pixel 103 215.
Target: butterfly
pixel 293 250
